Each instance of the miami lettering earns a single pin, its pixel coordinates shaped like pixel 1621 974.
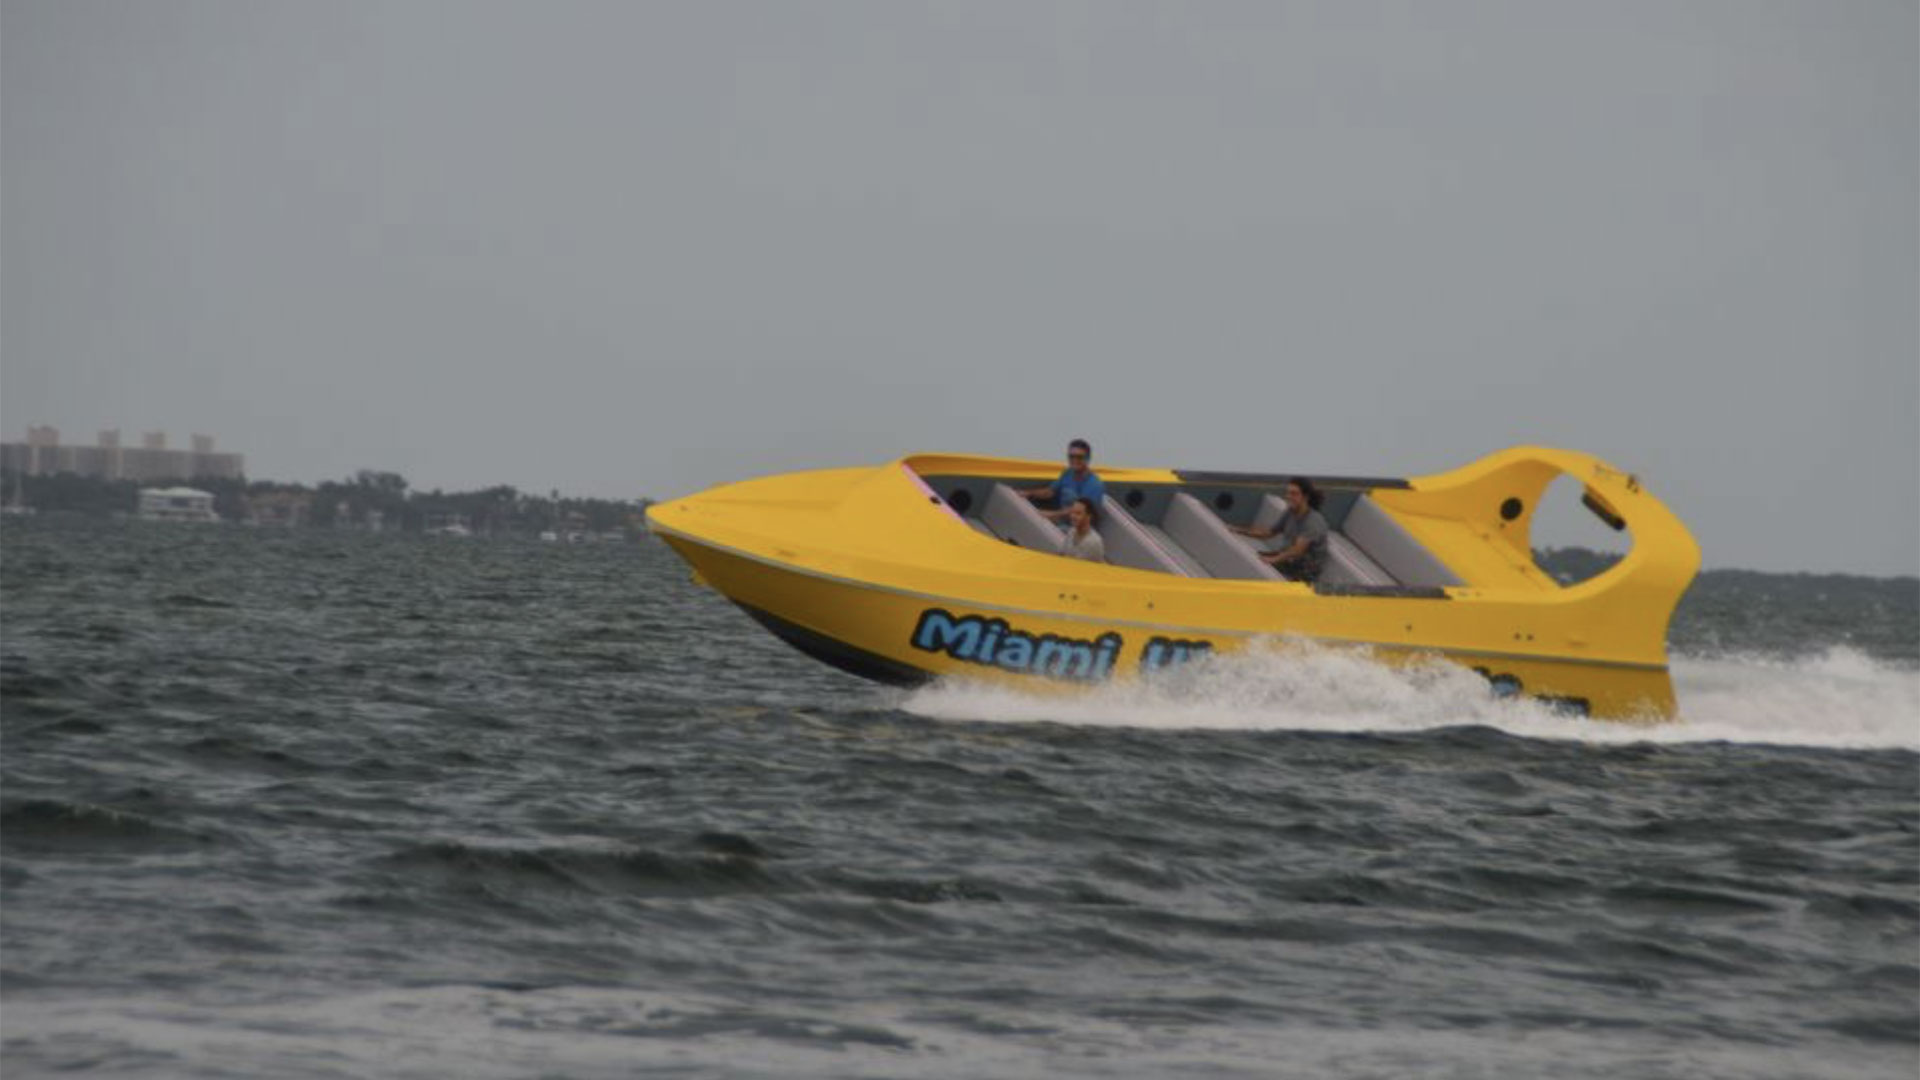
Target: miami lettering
pixel 993 643
pixel 1164 652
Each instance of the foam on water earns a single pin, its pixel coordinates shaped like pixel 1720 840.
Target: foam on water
pixel 1841 698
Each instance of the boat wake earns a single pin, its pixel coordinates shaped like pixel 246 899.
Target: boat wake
pixel 1841 698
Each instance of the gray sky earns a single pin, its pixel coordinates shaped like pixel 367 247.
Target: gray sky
pixel 630 248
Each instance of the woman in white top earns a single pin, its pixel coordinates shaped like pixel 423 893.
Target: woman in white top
pixel 1081 542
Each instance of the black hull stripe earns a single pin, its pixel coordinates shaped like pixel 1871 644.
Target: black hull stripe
pixel 852 660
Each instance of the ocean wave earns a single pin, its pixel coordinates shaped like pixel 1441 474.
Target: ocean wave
pixel 57 825
pixel 631 871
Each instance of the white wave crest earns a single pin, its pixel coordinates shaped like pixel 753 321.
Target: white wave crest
pixel 1842 698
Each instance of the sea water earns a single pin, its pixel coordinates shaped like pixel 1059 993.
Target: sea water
pixel 339 805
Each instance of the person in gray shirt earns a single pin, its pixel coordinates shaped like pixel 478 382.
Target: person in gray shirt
pixel 1302 553
pixel 1080 541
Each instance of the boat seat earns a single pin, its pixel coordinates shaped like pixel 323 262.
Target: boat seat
pixel 1129 544
pixel 1173 548
pixel 1271 508
pixel 1013 518
pixel 1211 543
pixel 1346 563
pixel 1393 548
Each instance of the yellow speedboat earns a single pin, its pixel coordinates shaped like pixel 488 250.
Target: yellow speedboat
pixel 934 565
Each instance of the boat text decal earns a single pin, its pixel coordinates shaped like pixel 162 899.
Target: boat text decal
pixel 976 639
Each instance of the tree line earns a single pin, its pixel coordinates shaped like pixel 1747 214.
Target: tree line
pixel 368 499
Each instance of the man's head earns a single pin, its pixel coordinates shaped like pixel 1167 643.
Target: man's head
pixel 1082 513
pixel 1079 453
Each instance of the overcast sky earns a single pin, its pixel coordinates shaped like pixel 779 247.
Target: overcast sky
pixel 633 248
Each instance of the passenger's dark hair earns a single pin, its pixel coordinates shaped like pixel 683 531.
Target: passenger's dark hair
pixel 1093 512
pixel 1080 444
pixel 1314 495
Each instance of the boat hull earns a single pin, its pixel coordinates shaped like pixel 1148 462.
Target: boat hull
pixel 904 636
pixel 886 572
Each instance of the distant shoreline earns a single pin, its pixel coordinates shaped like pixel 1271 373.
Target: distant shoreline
pixel 530 516
pixel 370 501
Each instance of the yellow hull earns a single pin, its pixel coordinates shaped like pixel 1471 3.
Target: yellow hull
pixel 867 569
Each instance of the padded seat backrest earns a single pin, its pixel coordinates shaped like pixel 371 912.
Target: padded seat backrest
pixel 1130 545
pixel 1211 543
pixel 1012 517
pixel 1271 507
pixel 1348 565
pixel 1394 548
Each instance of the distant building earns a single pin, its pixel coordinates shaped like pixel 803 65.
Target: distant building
pixel 42 455
pixel 176 504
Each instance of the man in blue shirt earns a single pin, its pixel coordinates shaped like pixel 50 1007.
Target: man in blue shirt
pixel 1076 482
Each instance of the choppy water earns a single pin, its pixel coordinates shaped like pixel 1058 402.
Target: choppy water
pixel 348 806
